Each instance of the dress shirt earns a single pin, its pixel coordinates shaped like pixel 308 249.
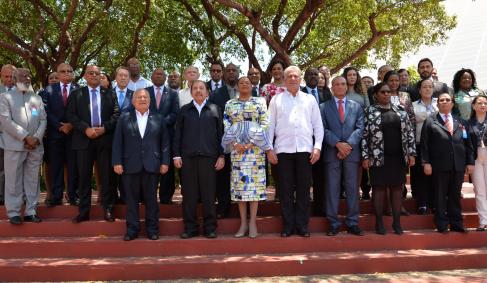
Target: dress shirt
pixel 142 121
pixel 344 99
pixel 117 91
pixel 68 87
pixel 421 112
pixel 140 83
pixel 450 117
pixel 316 95
pixel 213 85
pixel 233 91
pixel 184 96
pixel 294 120
pixel 199 107
pixel 98 101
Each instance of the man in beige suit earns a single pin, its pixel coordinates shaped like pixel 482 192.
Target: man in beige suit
pixel 23 121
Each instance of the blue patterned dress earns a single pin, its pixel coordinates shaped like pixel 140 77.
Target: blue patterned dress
pixel 246 122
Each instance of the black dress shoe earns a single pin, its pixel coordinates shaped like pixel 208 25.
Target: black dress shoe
pixel 442 230
pixel 221 216
pixel 332 232
pixel 187 235
pixel 422 211
pixel 210 235
pixel 52 203
pixel 74 202
pixel 286 234
pixel 366 196
pixel 108 215
pixel 167 202
pixel 379 229
pixel 129 237
pixel 397 229
pixel 458 229
pixel 153 237
pixel 355 230
pixel 80 218
pixel 32 218
pixel 15 220
pixel 304 233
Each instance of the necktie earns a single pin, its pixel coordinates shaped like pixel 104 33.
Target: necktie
pixel 313 91
pixel 121 96
pixel 341 111
pixel 158 96
pixel 448 125
pixel 95 120
pixel 217 85
pixel 254 91
pixel 65 94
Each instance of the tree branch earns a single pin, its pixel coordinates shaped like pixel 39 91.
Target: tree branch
pixel 307 30
pixel 277 19
pixel 64 41
pixel 48 11
pixel 138 29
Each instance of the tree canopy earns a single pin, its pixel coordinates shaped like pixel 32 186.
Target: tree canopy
pixel 176 33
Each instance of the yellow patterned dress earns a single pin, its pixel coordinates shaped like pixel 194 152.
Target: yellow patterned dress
pixel 246 122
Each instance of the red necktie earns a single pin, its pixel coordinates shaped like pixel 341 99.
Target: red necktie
pixel 158 97
pixel 341 112
pixel 448 125
pixel 65 94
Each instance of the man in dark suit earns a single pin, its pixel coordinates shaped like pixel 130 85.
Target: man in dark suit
pixel 220 98
pixel 124 94
pixel 216 74
pixel 254 77
pixel 165 102
pixel 445 152
pixel 311 77
pixel 93 112
pixel 425 69
pixel 59 137
pixel 140 153
pixel 343 123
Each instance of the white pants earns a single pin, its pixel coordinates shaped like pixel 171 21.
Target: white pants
pixel 22 178
pixel 479 179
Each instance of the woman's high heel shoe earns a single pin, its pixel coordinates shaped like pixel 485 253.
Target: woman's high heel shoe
pixel 242 231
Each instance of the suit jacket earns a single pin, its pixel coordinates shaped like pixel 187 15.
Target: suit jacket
pixel 349 131
pixel 52 96
pixel 438 88
pixel 135 153
pixel 79 114
pixel 443 151
pixel 168 107
pixel 127 101
pixel 321 94
pixel 220 98
pixel 21 115
pixel 373 138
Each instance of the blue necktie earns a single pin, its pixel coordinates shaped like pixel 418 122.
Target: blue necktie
pixel 95 119
pixel 313 91
pixel 121 96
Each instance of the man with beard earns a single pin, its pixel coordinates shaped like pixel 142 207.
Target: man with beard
pixel 6 78
pixel 59 137
pixel 174 81
pixel 220 97
pixel 24 121
pixel 425 70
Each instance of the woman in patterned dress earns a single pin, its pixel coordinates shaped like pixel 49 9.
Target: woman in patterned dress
pixel 245 137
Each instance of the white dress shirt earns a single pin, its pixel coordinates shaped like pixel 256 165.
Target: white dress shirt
pixel 213 84
pixel 142 121
pixel 294 120
pixel 200 107
pixel 421 112
pixel 184 96
pixel 140 83
pixel 98 102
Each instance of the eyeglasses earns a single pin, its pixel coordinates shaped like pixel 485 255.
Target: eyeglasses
pixel 65 71
pixel 93 73
pixel 216 71
pixel 444 100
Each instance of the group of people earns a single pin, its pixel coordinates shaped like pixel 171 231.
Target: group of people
pixel 225 135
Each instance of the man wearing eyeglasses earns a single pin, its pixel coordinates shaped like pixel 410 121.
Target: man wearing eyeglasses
pixel 216 73
pixel 59 137
pixel 93 111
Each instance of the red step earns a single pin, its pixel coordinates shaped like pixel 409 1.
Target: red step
pixel 239 265
pixel 266 208
pixel 171 227
pixel 90 247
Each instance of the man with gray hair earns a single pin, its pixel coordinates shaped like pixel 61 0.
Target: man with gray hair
pixel 24 121
pixel 7 83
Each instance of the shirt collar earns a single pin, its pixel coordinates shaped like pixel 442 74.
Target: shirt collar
pixel 96 88
pixel 119 89
pixel 68 85
pixel 310 90
pixel 344 99
pixel 202 104
pixel 142 115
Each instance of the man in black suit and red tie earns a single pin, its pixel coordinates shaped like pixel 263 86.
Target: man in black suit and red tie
pixel 445 152
pixel 59 137
pixel 164 100
pixel 93 112
pixel 140 154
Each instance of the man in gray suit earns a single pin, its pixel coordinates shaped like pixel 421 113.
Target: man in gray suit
pixel 343 123
pixel 6 78
pixel 23 121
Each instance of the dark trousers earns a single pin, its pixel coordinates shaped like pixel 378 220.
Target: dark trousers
pixel 199 181
pixel 144 183
pixel 223 187
pixel 2 177
pixel 448 185
pixel 294 172
pixel 318 188
pixel 85 160
pixel 60 153
pixel 167 185
pixel 421 185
